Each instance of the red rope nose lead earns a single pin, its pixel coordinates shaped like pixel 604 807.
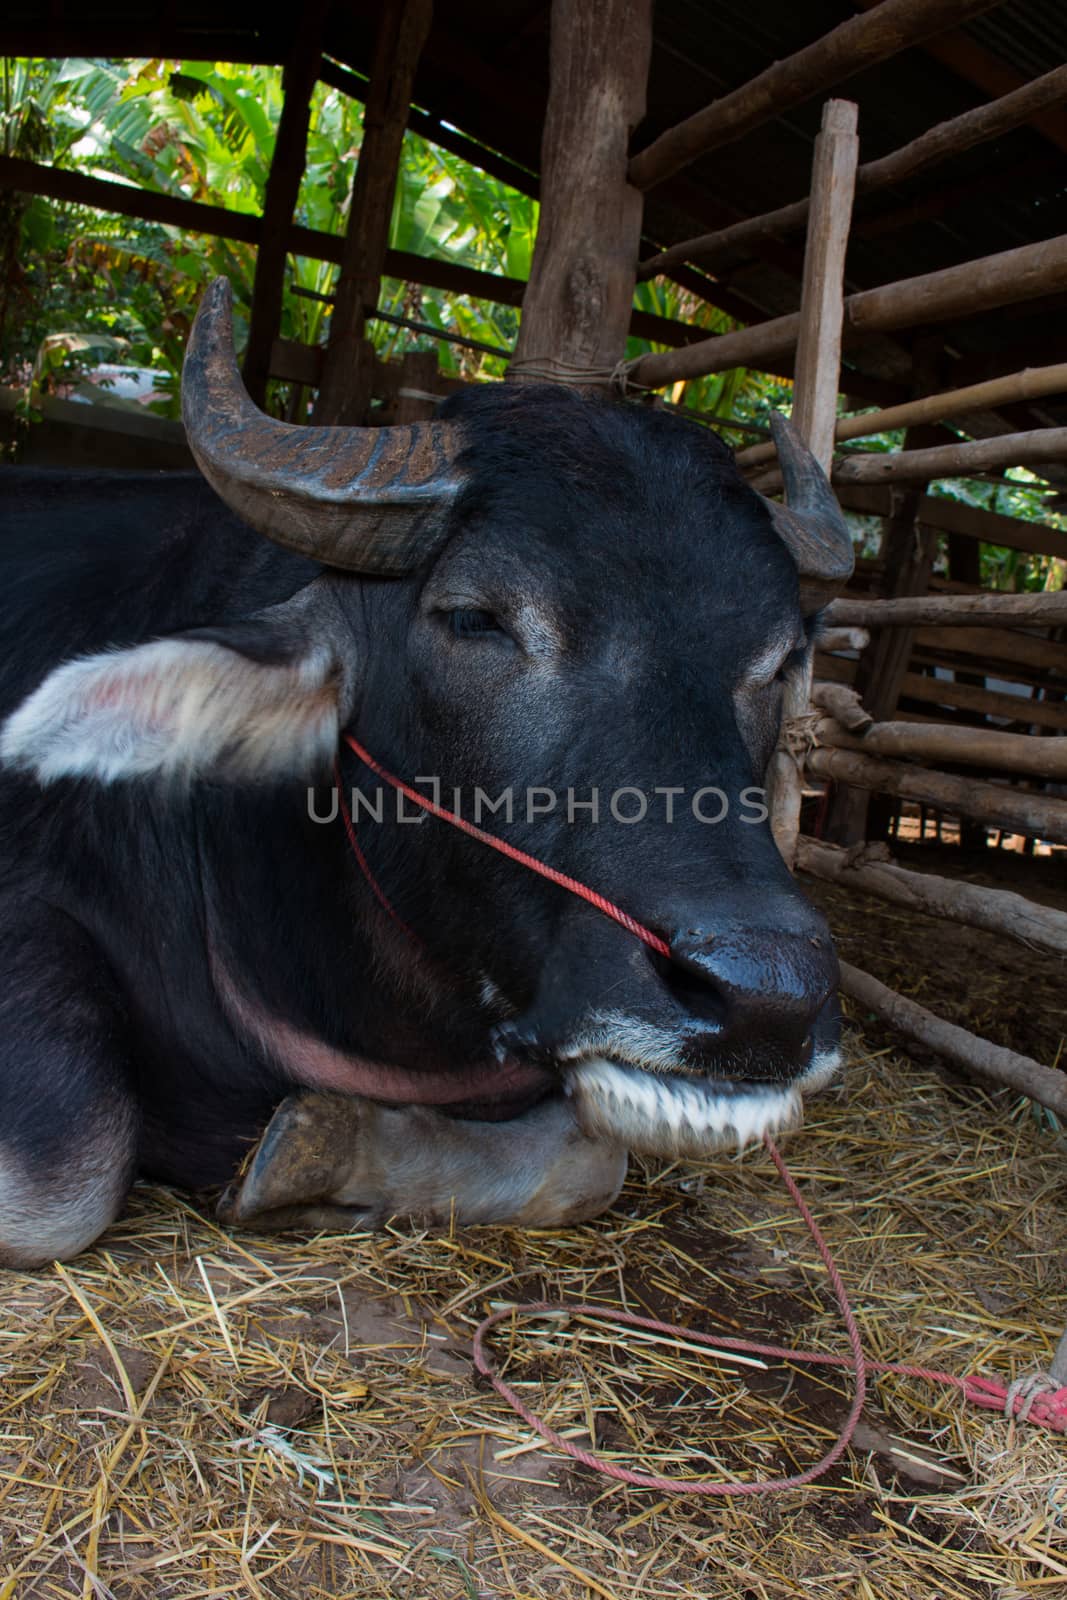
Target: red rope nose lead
pixel 1051 1410
pixel 608 907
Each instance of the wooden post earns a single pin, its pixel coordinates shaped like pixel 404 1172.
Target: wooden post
pixel 818 363
pixel 279 203
pixel 348 368
pixel 576 310
pixel 908 552
pixel 418 377
pixel 818 367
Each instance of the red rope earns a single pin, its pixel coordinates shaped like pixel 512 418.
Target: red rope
pixel 608 907
pixel 1047 1409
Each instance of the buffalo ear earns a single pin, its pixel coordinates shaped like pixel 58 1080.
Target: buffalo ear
pixel 258 700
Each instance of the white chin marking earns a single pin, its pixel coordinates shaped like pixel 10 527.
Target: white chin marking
pixel 823 1070
pixel 663 1115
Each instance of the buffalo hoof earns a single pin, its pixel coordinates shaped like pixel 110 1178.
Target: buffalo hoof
pixel 329 1162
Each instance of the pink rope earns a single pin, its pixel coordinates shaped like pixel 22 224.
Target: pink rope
pixel 1049 1410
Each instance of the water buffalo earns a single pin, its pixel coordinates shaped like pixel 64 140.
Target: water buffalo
pixel 537 593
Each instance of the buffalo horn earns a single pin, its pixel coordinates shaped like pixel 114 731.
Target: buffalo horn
pixel 367 499
pixel 810 523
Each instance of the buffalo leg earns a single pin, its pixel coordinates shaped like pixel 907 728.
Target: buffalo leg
pixel 329 1162
pixel 67 1116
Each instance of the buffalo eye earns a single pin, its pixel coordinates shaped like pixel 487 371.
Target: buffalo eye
pixel 470 623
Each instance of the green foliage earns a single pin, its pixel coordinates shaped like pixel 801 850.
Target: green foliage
pixel 205 131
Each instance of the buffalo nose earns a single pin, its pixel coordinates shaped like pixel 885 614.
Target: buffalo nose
pixel 760 989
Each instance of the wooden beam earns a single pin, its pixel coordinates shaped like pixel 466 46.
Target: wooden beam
pixel 1027 385
pixel 998 805
pixel 93 37
pixel 858 43
pixel 985 71
pixel 1000 651
pixel 947 743
pixel 194 216
pixel 280 197
pixel 937 144
pixel 843 638
pixel 577 306
pixel 967 290
pixel 998 911
pixel 1047 1085
pixel 1016 708
pixel 1040 447
pixel 950 694
pixel 440 133
pixel 347 369
pixel 952 516
pixel 815 403
pixel 995 610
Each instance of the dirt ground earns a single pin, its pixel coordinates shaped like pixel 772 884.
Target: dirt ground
pixel 1007 992
pixel 187 1413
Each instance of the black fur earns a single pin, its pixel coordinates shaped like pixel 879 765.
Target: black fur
pixel 659 576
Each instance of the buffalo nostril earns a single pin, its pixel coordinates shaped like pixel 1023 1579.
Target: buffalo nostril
pixel 695 993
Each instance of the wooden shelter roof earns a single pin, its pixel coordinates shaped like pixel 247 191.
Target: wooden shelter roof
pixel 484 72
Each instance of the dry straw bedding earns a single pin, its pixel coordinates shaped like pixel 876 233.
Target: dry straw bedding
pixel 188 1414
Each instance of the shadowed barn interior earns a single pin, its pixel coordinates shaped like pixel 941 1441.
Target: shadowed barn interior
pixel 875 196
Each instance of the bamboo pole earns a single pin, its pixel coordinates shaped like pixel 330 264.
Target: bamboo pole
pixel 1040 446
pixel 818 368
pixel 961 610
pixel 1047 1085
pixel 860 42
pixel 1026 385
pixel 987 284
pixel 1039 816
pixel 1000 911
pixel 937 144
pixel 951 742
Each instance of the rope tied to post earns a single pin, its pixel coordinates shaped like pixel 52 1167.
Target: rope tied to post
pixel 552 369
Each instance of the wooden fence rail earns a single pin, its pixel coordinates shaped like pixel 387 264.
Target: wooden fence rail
pixel 936 144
